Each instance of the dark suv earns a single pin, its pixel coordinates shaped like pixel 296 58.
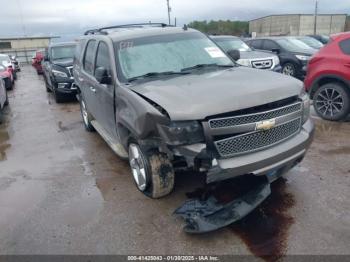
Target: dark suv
pixel 58 70
pixel 167 97
pixel 293 53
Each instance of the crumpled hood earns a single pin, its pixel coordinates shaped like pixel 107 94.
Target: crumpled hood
pixel 196 96
pixel 256 55
pixel 63 62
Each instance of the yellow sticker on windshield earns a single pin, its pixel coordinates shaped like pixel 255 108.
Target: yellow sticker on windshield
pixel 214 52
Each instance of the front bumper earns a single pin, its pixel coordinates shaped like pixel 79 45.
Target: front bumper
pixel 66 86
pixel 274 161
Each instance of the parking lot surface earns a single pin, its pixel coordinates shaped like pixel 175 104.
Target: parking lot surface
pixel 63 191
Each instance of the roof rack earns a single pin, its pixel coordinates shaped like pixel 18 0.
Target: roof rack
pixel 101 30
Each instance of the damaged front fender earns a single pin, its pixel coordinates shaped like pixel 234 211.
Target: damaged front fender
pixel 209 215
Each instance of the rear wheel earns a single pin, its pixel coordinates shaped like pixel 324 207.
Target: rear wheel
pixel 7 99
pixel 152 171
pixel 289 69
pixel 86 115
pixel 8 84
pixel 332 102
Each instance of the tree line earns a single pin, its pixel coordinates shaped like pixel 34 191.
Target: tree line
pixel 221 27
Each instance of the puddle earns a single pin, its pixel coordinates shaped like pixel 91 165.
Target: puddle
pixel 338 151
pixel 4 137
pixel 265 230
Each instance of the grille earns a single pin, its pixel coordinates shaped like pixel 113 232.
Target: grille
pixel 252 118
pixel 262 64
pixel 257 140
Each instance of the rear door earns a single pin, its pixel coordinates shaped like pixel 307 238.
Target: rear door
pixel 105 93
pixel 88 82
pixel 344 46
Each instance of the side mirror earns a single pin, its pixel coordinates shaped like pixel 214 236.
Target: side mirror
pixel 102 76
pixel 234 54
pixel 276 50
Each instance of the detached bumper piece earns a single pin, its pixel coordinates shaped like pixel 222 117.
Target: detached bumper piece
pixel 209 215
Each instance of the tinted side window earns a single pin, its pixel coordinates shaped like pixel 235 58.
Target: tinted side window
pixel 89 57
pixel 255 44
pixel 102 58
pixel 345 46
pixel 270 45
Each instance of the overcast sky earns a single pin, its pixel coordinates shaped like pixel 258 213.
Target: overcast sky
pixel 72 17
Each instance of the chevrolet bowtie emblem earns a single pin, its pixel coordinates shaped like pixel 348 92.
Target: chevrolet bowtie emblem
pixel 265 125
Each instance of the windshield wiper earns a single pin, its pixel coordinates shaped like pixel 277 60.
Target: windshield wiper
pixel 204 66
pixel 156 74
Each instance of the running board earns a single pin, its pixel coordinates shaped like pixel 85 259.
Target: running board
pixel 116 147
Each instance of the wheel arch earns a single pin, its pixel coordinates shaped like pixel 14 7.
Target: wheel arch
pixel 326 79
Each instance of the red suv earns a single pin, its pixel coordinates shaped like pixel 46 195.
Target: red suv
pixel 328 78
pixel 37 60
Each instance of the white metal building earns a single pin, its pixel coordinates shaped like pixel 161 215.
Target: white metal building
pixel 297 24
pixel 24 47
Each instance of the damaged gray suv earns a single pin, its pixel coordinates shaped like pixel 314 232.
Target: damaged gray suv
pixel 166 97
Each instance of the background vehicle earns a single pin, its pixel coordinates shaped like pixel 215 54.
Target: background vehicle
pixel 328 78
pixel 312 42
pixel 37 61
pixel 248 56
pixel 167 97
pixel 324 39
pixel 58 70
pixel 6 75
pixel 11 75
pixel 3 97
pixel 15 63
pixel 293 54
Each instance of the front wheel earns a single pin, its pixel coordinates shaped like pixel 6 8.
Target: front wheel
pixel 332 102
pixel 7 99
pixel 152 171
pixel 289 69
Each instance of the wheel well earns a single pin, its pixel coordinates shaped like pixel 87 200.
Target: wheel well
pixel 327 80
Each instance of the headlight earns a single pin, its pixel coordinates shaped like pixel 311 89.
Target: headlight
pixel 59 73
pixel 276 60
pixel 306 104
pixel 179 133
pixel 303 57
pixel 244 62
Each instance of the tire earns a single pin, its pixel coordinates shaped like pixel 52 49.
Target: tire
pixel 152 171
pixel 47 86
pixel 8 84
pixel 86 116
pixel 7 99
pixel 332 101
pixel 289 69
pixel 58 97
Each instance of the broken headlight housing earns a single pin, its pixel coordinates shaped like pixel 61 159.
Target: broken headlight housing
pixel 306 104
pixel 182 132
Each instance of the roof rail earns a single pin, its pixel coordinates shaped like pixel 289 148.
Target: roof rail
pixel 101 30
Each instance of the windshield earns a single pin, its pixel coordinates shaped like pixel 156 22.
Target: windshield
pixel 228 44
pixel 312 42
pixel 293 45
pixel 62 52
pixel 4 58
pixel 167 53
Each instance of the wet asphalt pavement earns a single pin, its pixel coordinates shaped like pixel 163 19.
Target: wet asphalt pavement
pixel 63 191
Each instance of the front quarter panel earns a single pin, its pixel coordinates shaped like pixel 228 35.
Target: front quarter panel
pixel 136 115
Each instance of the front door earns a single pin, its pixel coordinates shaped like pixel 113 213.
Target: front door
pixel 105 93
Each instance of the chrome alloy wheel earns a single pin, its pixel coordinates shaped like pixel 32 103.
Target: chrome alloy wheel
pixel 138 167
pixel 84 113
pixel 288 70
pixel 329 102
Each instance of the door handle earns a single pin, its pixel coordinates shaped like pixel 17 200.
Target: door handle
pixel 93 89
pixel 347 64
